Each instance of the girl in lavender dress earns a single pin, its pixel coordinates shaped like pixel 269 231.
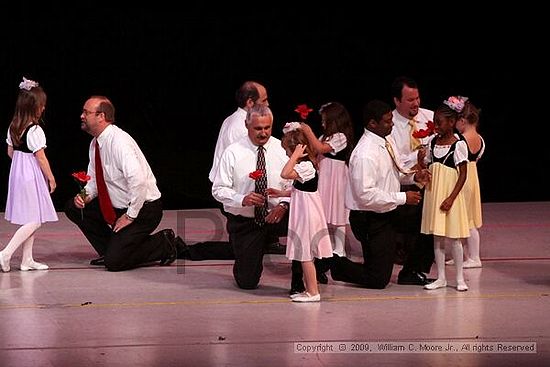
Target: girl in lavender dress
pixel 31 180
pixel 308 236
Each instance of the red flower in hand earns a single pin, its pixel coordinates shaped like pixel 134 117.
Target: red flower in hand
pixel 422 133
pixel 303 110
pixel 256 174
pixel 82 178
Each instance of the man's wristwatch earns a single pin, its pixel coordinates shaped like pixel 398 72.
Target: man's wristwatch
pixel 129 218
pixel 284 204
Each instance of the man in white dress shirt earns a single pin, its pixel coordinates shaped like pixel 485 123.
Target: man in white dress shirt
pixel 235 188
pixel 414 250
pixel 233 128
pixel 133 193
pixel 372 196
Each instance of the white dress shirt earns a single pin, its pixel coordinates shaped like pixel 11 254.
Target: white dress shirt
pixel 374 181
pixel 232 182
pixel 233 128
pixel 400 136
pixel 129 179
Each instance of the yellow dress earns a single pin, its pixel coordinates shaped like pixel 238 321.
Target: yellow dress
pixel 454 223
pixel 472 196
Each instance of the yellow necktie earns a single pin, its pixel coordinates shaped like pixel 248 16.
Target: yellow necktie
pixel 390 150
pixel 415 142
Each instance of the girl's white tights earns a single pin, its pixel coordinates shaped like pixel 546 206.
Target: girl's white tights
pixel 473 246
pixel 23 236
pixel 439 253
pixel 338 237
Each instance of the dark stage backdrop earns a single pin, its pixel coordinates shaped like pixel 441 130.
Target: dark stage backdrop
pixel 172 78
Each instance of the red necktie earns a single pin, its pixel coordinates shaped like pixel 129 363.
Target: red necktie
pixel 104 200
pixel 261 185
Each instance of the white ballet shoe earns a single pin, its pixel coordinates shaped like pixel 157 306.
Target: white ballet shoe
pixel 450 262
pixel 34 265
pixel 4 263
pixel 469 264
pixel 439 283
pixel 292 296
pixel 306 297
pixel 461 286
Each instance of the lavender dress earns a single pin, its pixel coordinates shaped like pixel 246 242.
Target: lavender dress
pixel 29 199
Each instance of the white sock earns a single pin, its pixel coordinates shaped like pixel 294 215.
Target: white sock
pixel 338 237
pixel 473 245
pixel 458 253
pixel 27 258
pixel 439 255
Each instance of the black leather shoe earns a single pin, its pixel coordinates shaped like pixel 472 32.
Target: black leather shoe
pixel 169 238
pixel 100 261
pixel 322 277
pixel 295 289
pixel 412 278
pixel 182 249
pixel 297 284
pixel 275 249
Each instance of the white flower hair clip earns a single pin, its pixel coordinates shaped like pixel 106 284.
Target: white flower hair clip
pixel 291 126
pixel 456 103
pixel 27 84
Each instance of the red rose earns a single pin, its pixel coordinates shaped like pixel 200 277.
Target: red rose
pixel 422 133
pixel 256 174
pixel 303 110
pixel 81 178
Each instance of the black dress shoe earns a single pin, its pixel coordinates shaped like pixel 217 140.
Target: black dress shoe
pixel 322 277
pixel 100 261
pixel 297 283
pixel 412 278
pixel 425 277
pixel 169 238
pixel 182 249
pixel 297 288
pixel 275 248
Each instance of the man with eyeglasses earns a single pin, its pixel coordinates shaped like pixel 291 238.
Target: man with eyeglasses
pixel 121 205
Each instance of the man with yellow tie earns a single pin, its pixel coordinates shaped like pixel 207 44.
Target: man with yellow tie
pixel 414 250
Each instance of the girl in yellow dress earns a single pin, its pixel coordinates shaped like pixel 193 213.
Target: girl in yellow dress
pixel 444 212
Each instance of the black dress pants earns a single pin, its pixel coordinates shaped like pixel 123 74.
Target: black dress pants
pixel 128 248
pixel 419 247
pixel 376 233
pixel 249 241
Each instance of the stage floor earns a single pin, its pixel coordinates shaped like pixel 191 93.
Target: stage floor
pixel 192 314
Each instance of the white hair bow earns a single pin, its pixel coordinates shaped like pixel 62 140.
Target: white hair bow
pixel 291 126
pixel 27 84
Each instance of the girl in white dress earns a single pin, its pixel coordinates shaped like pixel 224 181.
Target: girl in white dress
pixel 444 209
pixel 308 236
pixel 333 149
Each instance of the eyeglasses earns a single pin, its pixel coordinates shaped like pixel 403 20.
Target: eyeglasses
pixel 85 112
